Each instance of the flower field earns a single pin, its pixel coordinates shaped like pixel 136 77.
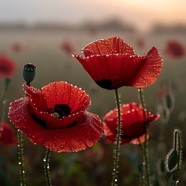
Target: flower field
pixel 50 52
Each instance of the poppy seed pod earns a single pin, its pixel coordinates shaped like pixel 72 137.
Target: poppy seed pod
pixel 29 72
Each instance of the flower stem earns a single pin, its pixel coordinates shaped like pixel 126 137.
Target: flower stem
pixel 177 147
pixel 3 99
pixel 20 158
pixel 146 168
pixel 46 161
pixel 117 145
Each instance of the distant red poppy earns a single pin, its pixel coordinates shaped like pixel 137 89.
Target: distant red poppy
pixel 132 123
pixel 140 43
pixel 112 64
pixel 161 93
pixel 67 47
pixel 174 49
pixel 7 66
pixel 7 135
pixel 56 117
pixel 18 47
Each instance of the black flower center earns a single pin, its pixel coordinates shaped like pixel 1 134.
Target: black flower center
pixel 105 83
pixel 62 110
pixel 124 136
pixel 59 111
pixel 39 121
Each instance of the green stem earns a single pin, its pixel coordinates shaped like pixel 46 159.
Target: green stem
pixel 142 149
pixel 177 147
pixel 117 145
pixel 46 161
pixel 146 168
pixel 20 158
pixel 2 101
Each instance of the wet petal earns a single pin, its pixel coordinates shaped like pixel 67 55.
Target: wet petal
pixel 54 94
pixel 87 130
pixel 148 71
pixel 119 68
pixel 132 121
pixel 37 99
pixel 113 45
pixel 65 93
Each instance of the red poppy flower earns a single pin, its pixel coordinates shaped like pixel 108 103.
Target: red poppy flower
pixel 175 49
pixel 67 47
pixel 7 67
pixel 56 117
pixel 18 47
pixel 161 93
pixel 140 43
pixel 132 124
pixel 7 135
pixel 112 64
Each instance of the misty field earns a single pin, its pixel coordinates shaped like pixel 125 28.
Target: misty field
pixel 93 166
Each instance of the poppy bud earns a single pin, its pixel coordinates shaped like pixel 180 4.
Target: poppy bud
pixel 29 72
pixel 7 81
pixel 173 158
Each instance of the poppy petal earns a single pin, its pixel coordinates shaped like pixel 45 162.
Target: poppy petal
pixel 175 49
pixel 132 121
pixel 87 131
pixel 7 135
pixel 113 45
pixel 65 93
pixel 7 67
pixel 148 71
pixel 119 68
pixel 57 93
pixel 139 140
pixel 112 64
pixel 36 98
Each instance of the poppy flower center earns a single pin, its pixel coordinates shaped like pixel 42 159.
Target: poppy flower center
pixel 58 111
pixel 105 83
pixel 124 136
pixel 62 110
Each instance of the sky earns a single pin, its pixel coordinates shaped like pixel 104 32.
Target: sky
pixel 141 13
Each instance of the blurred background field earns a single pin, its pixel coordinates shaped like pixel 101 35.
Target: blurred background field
pixel 92 166
pixel 48 46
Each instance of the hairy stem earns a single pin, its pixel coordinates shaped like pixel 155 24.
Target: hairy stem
pixel 117 145
pixel 146 167
pixel 46 161
pixel 177 147
pixel 20 158
pixel 3 99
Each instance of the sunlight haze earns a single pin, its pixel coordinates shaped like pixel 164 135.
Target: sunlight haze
pixel 141 13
